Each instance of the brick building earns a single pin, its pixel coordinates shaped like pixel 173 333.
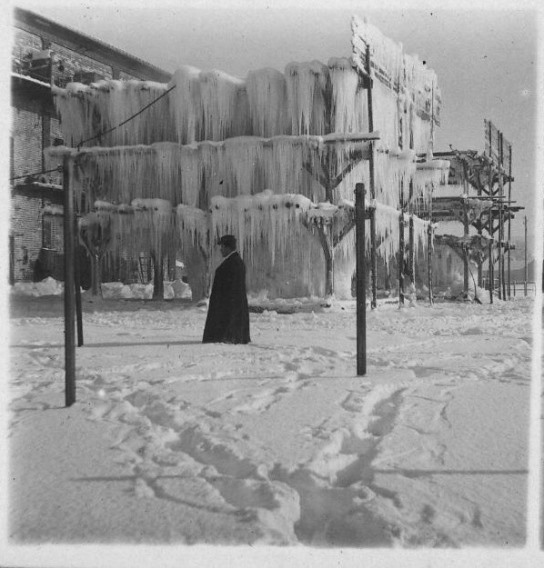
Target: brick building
pixel 45 53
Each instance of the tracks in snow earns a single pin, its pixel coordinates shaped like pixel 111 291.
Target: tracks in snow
pixel 170 441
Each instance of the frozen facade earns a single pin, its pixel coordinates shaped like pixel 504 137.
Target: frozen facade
pixel 272 158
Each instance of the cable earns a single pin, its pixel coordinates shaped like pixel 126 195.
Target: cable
pixel 57 169
pixel 100 134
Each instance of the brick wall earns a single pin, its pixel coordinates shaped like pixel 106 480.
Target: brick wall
pixel 26 132
pixel 26 230
pixel 33 128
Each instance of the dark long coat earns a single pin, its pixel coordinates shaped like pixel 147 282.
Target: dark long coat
pixel 228 313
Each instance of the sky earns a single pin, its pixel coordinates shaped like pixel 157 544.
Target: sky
pixel 485 59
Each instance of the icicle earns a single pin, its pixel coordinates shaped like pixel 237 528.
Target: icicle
pixel 267 99
pixel 243 156
pixel 386 116
pixel 387 231
pixel 194 228
pixel 91 112
pixel 306 91
pixel 186 107
pixel 192 172
pixel 421 228
pixel 221 96
pixel 390 170
pixel 252 218
pixel 284 163
pixel 156 224
pixel 348 99
pixel 168 169
pixel 213 171
pixel 428 176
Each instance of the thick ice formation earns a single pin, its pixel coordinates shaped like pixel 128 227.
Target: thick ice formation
pixel 193 174
pixel 349 112
pixel 85 111
pixel 213 141
pixel 267 99
pixel 404 88
pixel 267 216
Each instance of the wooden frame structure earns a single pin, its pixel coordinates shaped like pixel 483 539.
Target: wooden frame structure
pixel 488 210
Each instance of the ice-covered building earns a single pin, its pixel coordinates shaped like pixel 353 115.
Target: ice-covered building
pixel 272 158
pixel 45 55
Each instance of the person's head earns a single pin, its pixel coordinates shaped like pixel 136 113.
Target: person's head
pixel 227 244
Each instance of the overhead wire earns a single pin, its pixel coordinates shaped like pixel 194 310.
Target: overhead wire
pixel 103 133
pixel 99 135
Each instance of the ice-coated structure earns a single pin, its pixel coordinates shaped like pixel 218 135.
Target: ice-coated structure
pixel 272 158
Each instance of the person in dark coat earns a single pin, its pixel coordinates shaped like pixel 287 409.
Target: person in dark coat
pixel 228 313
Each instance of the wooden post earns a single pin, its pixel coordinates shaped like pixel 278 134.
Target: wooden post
pixel 69 285
pixel 77 283
pixel 525 272
pixel 503 266
pixel 430 261
pixel 480 263
pixel 411 244
pixel 360 215
pixel 501 184
pixel 509 216
pixel 465 248
pixel 400 256
pixel 411 252
pixel 491 275
pixel 330 270
pixel 500 250
pixel 325 238
pixel 373 257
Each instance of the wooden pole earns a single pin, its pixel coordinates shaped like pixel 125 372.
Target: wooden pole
pixel 525 272
pixel 69 286
pixel 411 252
pixel 373 257
pixel 400 267
pixel 77 285
pixel 324 233
pixel 491 275
pixel 501 225
pixel 501 259
pixel 360 214
pixel 411 244
pixel 509 218
pixel 502 288
pixel 465 248
pixel 430 261
pixel 401 259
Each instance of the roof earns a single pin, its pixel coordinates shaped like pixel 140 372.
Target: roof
pixel 97 49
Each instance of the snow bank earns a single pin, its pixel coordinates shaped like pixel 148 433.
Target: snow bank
pixel 47 287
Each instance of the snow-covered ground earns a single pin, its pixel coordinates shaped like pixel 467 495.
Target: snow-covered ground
pixel 277 442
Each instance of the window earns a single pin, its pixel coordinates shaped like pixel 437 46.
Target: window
pixel 47 232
